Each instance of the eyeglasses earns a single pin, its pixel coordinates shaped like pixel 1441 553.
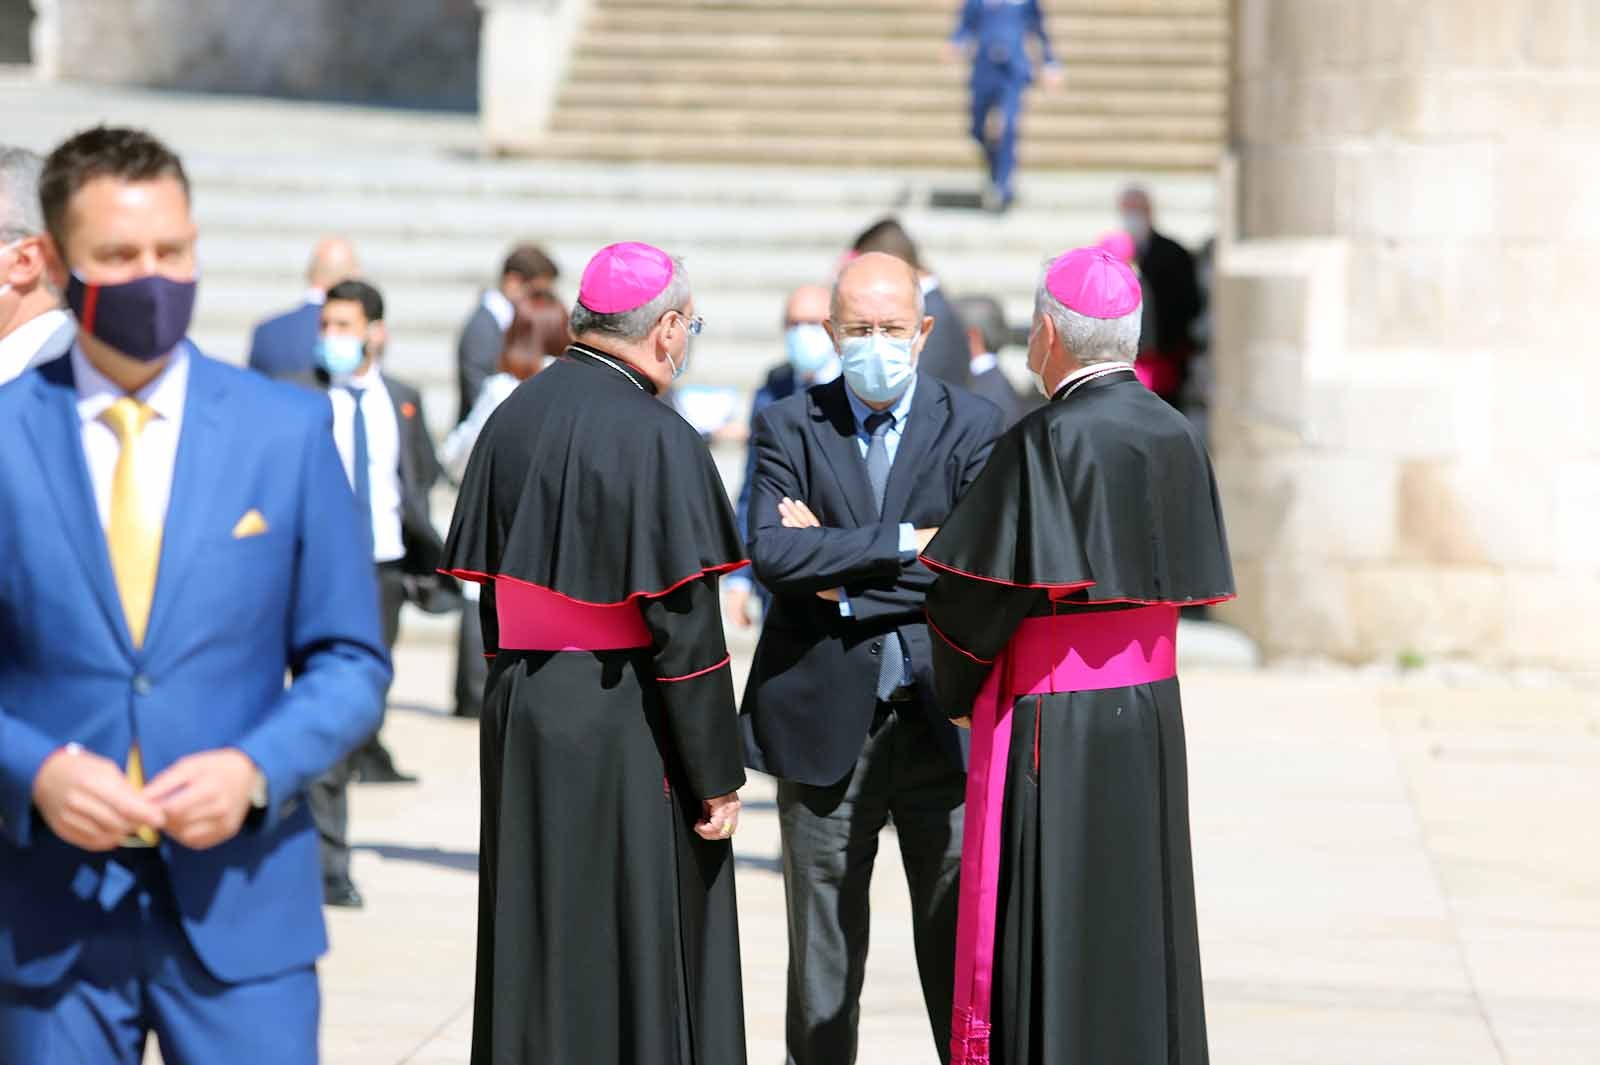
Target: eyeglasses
pixel 893 330
pixel 694 324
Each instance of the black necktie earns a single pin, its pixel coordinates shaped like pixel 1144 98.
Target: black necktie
pixel 892 666
pixel 363 467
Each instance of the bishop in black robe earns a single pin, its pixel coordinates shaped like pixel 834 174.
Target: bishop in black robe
pixel 1062 571
pixel 595 520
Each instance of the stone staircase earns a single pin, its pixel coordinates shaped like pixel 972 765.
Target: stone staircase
pixel 432 218
pixel 864 83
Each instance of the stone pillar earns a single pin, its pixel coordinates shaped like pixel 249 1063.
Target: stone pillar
pixel 1407 425
pixel 524 53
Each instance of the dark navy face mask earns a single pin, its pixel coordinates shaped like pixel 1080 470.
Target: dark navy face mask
pixel 144 318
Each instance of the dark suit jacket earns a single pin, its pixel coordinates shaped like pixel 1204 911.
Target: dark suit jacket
pixel 946 355
pixel 1168 271
pixel 811 694
pixel 419 472
pixel 477 356
pixel 994 386
pixel 284 345
pixel 232 615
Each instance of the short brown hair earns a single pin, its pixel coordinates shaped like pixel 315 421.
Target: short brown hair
pixel 104 151
pixel 529 261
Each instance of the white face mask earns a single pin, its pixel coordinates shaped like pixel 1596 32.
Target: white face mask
pixel 877 368
pixel 1038 376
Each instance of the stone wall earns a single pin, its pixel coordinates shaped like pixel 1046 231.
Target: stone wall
pixel 411 52
pixel 1408 420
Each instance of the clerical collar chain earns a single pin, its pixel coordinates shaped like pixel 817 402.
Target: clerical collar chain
pixel 1066 390
pixel 632 377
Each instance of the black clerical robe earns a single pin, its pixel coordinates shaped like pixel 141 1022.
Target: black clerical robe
pixel 607 929
pixel 1061 574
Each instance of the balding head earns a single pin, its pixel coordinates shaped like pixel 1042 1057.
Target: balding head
pixel 876 287
pixel 333 260
pixel 808 305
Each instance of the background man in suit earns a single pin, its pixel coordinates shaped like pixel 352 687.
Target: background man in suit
pixel 178 537
pixel 527 271
pixel 810 359
pixel 995 34
pixel 281 346
pixel 1167 272
pixel 851 478
pixel 33 327
pixel 987 333
pixel 945 354
pixel 389 459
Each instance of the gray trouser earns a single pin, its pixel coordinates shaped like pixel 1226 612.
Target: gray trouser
pixel 329 793
pixel 830 841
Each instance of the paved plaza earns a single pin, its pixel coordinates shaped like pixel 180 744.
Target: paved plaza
pixel 1389 874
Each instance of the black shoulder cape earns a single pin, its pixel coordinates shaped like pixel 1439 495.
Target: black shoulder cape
pixel 1104 496
pixel 585 484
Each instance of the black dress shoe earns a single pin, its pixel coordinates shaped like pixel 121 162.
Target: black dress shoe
pixel 379 773
pixel 344 896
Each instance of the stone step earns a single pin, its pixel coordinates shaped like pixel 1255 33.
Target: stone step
pixel 837 126
pixel 567 188
pixel 1110 8
pixel 903 24
pixel 673 146
pixel 710 47
pixel 944 99
pixel 918 70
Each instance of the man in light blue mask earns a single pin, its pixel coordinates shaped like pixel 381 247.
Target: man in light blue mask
pixel 851 478
pixel 810 358
pixel 33 327
pixel 389 460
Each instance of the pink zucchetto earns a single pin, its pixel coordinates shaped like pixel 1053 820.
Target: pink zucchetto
pixel 1120 244
pixel 1094 283
pixel 624 277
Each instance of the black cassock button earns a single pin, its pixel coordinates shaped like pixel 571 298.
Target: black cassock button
pixel 876 648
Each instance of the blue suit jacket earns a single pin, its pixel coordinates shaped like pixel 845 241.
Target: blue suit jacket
pixel 285 344
pixel 1000 30
pixel 231 616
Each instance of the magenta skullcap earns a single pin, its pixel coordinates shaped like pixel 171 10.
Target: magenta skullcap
pixel 624 277
pixel 1094 283
pixel 1119 243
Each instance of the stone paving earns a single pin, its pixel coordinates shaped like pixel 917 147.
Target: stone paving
pixel 1388 874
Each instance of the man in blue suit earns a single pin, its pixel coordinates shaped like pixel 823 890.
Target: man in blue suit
pixel 995 33
pixel 178 536
pixel 282 346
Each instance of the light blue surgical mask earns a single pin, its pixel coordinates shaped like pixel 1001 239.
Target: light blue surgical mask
pixel 340 355
pixel 877 368
pixel 811 351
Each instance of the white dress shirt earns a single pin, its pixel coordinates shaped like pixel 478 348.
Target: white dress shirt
pixel 383 455
pixel 495 302
pixel 158 441
pixel 18 347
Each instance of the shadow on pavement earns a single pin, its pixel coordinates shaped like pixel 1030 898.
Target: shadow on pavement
pixel 463 861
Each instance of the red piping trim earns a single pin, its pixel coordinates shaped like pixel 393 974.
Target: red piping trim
pixel 958 647
pixel 91 301
pixel 1158 602
pixel 1071 587
pixel 489 578
pixel 696 673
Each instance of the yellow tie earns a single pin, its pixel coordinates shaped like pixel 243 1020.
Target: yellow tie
pixel 134 537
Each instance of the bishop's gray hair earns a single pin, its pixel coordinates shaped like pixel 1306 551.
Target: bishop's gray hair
pixel 637 323
pixel 21 214
pixel 1090 340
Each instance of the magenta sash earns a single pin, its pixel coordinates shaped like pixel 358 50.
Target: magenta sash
pixel 536 619
pixel 1046 656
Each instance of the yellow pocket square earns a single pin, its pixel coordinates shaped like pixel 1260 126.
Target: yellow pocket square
pixel 252 524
